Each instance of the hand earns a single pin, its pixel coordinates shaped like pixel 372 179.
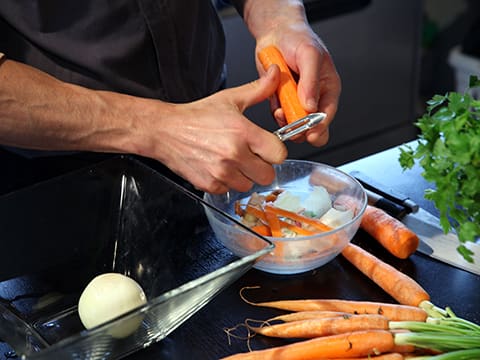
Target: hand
pixel 319 85
pixel 211 144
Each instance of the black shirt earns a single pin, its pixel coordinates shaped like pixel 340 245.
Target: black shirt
pixel 171 50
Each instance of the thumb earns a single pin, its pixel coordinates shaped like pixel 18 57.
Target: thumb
pixel 256 91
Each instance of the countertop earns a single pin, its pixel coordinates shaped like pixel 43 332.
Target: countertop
pixel 203 336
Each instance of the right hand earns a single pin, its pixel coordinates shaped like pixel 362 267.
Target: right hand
pixel 210 142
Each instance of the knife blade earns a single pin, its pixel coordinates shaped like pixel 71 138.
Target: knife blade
pixel 433 241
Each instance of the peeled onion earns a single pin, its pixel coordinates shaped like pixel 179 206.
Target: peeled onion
pixel 108 296
pixel 336 218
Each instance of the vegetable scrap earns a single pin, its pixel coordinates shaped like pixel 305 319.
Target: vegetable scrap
pixel 280 213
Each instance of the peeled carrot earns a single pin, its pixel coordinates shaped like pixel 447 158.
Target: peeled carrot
pixel 398 285
pixel 311 328
pixel 287 90
pixel 349 345
pixel 390 232
pixel 393 312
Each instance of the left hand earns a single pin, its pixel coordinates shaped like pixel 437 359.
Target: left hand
pixel 319 84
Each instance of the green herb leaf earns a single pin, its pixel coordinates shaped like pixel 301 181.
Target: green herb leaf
pixel 448 150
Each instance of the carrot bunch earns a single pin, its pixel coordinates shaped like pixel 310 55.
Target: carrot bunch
pixel 347 329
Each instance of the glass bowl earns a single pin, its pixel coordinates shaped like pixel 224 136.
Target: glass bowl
pixel 116 216
pixel 302 253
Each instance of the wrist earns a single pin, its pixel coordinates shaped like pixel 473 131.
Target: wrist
pixel 265 18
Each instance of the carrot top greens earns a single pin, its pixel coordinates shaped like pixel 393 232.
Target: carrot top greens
pixel 449 152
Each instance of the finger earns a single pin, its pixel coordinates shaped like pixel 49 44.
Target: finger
pixel 220 179
pixel 256 91
pixel 279 116
pixel 232 175
pixel 328 102
pixel 318 136
pixel 266 145
pixel 309 62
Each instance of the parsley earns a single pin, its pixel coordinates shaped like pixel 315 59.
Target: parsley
pixel 449 152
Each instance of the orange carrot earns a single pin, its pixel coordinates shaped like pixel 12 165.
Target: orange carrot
pixel 393 312
pixel 287 90
pixel 305 315
pixel 389 356
pixel 390 232
pixel 311 328
pixel 398 285
pixel 349 345
pixel 298 217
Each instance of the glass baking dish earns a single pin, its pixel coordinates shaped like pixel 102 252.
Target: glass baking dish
pixel 116 216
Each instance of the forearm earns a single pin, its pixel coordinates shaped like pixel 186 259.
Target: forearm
pixel 38 111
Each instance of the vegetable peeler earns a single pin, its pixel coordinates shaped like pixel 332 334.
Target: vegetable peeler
pixel 300 126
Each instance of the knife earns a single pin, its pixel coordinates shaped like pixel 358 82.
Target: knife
pixel 386 192
pixel 433 241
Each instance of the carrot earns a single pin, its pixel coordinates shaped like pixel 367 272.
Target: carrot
pixel 298 217
pixel 390 232
pixel 389 356
pixel 398 285
pixel 311 328
pixel 393 312
pixel 287 90
pixel 349 345
pixel 305 315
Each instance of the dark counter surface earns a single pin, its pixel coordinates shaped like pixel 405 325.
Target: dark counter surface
pixel 203 336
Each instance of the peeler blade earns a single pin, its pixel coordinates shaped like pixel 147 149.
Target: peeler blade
pixel 300 126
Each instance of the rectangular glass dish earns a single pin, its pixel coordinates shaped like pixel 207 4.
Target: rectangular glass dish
pixel 116 216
